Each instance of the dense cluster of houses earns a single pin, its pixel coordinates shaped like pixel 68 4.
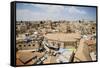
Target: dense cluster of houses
pixel 45 42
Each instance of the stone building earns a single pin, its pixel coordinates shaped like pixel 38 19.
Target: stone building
pixel 63 40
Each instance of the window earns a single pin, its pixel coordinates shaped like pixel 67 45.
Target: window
pixel 29 45
pixel 24 45
pixel 33 44
pixel 20 45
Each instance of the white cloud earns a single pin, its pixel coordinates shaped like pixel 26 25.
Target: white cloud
pixel 59 8
pixel 50 8
pixel 49 12
pixel 26 14
pixel 75 10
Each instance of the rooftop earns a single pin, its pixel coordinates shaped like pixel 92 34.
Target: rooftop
pixel 64 37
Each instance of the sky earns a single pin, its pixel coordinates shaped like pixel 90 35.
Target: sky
pixel 35 12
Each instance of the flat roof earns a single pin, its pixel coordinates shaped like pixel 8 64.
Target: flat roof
pixel 64 37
